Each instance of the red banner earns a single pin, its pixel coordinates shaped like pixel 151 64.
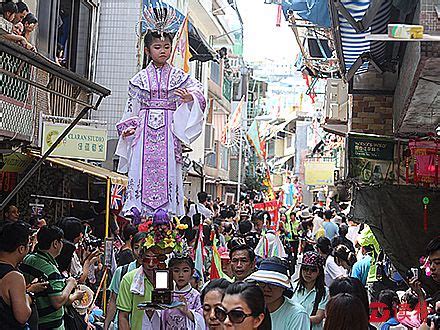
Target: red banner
pixel 272 207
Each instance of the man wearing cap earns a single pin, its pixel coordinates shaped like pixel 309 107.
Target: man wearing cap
pixel 273 278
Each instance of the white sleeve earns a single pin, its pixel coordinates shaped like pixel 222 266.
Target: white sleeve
pixel 188 121
pixel 130 119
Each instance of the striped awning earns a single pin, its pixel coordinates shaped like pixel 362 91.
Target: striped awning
pixel 353 43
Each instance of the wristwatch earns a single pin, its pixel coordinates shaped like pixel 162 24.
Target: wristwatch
pixel 32 295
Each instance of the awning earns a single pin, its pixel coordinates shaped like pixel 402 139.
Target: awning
pixel 282 160
pixel 315 11
pixel 199 48
pixel 87 168
pixel 338 129
pixel 353 20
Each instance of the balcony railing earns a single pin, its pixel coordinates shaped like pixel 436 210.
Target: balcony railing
pixel 32 85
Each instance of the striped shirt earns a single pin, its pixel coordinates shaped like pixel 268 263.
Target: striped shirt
pixel 34 266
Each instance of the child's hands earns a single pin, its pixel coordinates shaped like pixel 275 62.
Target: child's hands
pixel 184 95
pixel 184 309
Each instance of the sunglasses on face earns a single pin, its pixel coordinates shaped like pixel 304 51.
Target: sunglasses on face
pixel 236 316
pixel 153 260
pixel 309 269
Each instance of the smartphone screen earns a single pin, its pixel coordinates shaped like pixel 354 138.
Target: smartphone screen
pixel 162 279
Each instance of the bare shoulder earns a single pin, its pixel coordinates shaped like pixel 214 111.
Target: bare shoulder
pixel 13 279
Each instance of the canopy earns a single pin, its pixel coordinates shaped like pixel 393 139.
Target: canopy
pixel 396 217
pixel 87 168
pixel 315 11
pixel 352 22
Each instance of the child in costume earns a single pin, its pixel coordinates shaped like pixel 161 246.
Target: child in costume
pixel 164 111
pixel 189 316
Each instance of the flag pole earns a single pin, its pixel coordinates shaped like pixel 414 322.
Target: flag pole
pixel 240 159
pixel 179 34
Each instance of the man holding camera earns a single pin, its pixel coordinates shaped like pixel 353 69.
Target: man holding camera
pixel 41 265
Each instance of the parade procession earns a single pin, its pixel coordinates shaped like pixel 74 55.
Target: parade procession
pixel 219 164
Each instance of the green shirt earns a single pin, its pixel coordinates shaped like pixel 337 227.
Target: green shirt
pixel 290 315
pixel 307 300
pixel 42 262
pixel 127 301
pixel 116 282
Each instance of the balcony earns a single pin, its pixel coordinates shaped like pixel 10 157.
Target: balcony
pixel 32 86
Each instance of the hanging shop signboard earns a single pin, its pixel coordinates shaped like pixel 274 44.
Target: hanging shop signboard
pixel 319 173
pixel 371 158
pixel 82 142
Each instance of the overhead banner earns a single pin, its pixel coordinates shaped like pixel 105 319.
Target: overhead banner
pixel 370 158
pixel 319 173
pixel 83 142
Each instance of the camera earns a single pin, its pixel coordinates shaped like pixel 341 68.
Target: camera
pixel 413 273
pixel 163 286
pixel 92 242
pixel 433 319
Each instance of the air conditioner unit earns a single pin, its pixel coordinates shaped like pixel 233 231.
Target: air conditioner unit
pixel 209 137
pixel 336 100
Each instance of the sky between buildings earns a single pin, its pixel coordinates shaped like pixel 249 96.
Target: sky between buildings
pixel 262 38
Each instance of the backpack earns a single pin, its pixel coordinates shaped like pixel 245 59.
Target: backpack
pixel 197 217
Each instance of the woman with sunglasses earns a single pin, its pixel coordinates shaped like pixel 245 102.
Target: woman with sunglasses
pixel 211 297
pixel 310 290
pixel 243 308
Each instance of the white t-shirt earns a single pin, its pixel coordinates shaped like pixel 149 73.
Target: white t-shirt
pixel 353 233
pixel 317 223
pixel 332 271
pixel 202 209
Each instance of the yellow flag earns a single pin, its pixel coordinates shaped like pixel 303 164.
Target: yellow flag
pixel 181 54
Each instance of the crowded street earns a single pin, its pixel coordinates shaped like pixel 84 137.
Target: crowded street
pixel 219 164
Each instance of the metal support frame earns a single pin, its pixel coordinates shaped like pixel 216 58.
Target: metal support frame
pixel 336 29
pixel 336 8
pixel 44 88
pixel 55 71
pixel 48 152
pixel 366 21
pixel 364 57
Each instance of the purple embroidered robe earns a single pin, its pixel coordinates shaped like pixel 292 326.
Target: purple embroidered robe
pixel 174 319
pixel 152 156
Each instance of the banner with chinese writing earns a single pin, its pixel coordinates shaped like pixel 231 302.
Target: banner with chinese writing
pixel 82 142
pixel 272 207
pixel 371 158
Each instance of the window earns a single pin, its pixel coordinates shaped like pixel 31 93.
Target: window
pixel 47 22
pixel 271 148
pixel 224 158
pixel 215 72
pixel 65 28
pixel 199 71
pixel 211 157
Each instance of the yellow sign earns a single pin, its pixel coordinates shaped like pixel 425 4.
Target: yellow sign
pixel 319 173
pixel 82 142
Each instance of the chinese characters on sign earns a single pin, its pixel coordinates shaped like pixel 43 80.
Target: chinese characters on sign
pixel 370 159
pixel 83 142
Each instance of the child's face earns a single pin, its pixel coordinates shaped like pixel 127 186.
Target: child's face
pixel 182 274
pixel 160 51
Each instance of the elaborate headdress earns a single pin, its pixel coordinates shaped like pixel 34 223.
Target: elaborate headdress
pixel 161 236
pixel 161 19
